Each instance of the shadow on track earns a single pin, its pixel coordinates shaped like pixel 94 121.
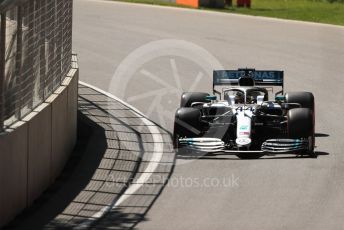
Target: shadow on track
pixel 321 135
pixel 110 160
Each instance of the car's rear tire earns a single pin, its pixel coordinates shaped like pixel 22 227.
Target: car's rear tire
pixel 188 98
pixel 301 125
pixel 305 99
pixel 188 124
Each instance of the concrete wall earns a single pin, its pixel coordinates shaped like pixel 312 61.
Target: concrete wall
pixel 34 151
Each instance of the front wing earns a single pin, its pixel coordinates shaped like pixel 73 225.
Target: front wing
pixel 271 146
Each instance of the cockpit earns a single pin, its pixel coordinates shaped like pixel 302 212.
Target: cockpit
pixel 243 95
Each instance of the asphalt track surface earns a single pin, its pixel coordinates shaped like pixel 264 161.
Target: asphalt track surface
pixel 270 193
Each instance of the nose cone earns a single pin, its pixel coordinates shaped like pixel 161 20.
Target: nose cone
pixel 243 141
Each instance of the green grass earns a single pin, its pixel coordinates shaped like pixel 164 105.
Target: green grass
pixel 303 10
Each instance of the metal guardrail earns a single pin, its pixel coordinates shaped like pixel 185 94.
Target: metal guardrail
pixel 35 54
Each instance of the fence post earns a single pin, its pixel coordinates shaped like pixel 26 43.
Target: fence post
pixel 2 69
pixel 42 41
pixel 19 96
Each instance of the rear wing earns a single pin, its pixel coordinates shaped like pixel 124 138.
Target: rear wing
pixel 267 78
pixel 261 77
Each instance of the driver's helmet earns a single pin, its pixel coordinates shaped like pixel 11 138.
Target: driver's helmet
pixel 251 97
pixel 239 98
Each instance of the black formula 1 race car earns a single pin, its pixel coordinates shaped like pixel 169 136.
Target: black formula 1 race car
pixel 248 115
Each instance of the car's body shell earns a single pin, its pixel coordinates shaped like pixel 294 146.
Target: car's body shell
pixel 254 125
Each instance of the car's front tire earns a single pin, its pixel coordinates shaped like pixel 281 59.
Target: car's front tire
pixel 187 123
pixel 301 125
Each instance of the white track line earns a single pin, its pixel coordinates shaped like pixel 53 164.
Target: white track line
pixel 151 168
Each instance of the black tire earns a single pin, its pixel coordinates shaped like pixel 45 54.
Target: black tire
pixel 187 123
pixel 305 99
pixel 188 98
pixel 301 125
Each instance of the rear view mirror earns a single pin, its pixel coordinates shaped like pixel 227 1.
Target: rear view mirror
pixel 211 97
